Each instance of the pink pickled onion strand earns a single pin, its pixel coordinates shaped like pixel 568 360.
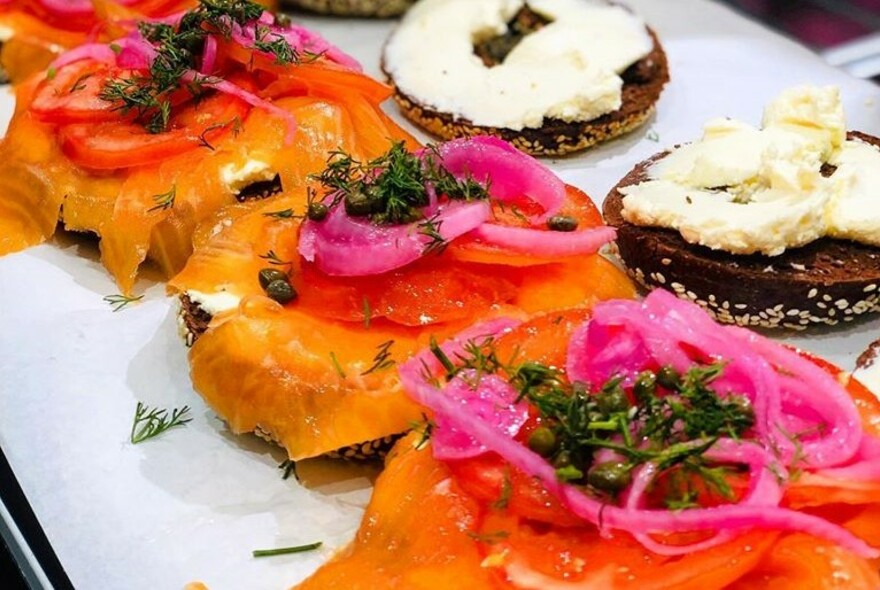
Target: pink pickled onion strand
pixel 486 397
pixel 733 517
pixel 510 173
pixel 831 398
pixel 543 243
pixel 227 87
pixel 759 507
pixel 346 246
pixel 865 466
pixel 299 38
pixel 99 52
pixel 209 55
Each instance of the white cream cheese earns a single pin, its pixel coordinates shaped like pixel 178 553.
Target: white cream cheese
pixel 566 70
pixel 237 177
pixel 747 190
pixel 214 303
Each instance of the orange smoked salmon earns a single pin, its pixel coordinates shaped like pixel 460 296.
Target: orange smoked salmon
pixel 139 140
pixel 481 524
pixel 318 373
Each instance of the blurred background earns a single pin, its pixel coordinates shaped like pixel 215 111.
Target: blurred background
pixel 845 32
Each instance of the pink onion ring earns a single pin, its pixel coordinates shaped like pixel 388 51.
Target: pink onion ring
pixel 345 246
pixel 544 243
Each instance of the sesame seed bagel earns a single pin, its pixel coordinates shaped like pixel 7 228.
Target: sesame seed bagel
pixel 643 83
pixel 364 8
pixel 826 282
pixel 193 321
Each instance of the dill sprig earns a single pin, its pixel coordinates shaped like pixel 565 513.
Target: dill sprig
pixel 382 360
pixel 164 201
pixel 287 550
pixel 393 189
pixel 177 51
pixel 151 422
pixel 272 258
pixel 119 302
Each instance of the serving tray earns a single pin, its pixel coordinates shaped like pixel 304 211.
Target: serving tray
pixel 192 504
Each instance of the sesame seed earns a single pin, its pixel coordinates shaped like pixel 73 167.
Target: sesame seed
pixel 813 292
pixel 870 288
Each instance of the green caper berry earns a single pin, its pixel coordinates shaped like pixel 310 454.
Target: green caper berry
pixel 270 275
pixel 612 402
pixel 359 205
pixel 562 459
pixel 282 20
pixel 668 377
pixel 569 473
pixel 611 477
pixel 562 223
pixel 281 291
pixel 542 441
pixel 645 385
pixel 317 212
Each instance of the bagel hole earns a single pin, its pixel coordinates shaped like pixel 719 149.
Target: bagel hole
pixel 493 49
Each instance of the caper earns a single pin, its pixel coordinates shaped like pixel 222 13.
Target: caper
pixel 569 473
pixel 744 412
pixel 562 459
pixel 270 275
pixel 542 441
pixel 645 385
pixel 282 20
pixel 611 476
pixel 562 223
pixel 317 211
pixel 613 401
pixel 669 378
pixel 281 291
pixel 359 205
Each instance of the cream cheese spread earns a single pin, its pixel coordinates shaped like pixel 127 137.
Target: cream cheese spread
pixel 237 177
pixel 747 190
pixel 214 303
pixel 568 70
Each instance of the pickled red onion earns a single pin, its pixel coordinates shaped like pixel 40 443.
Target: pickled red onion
pixel 345 246
pixel 543 243
pixel 758 509
pixel 510 173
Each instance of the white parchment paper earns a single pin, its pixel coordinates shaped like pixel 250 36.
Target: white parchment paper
pixel 192 504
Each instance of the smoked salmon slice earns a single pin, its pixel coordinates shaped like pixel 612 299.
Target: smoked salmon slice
pixel 476 521
pixel 104 144
pixel 318 374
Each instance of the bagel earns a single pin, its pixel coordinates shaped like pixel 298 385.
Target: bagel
pixel 547 128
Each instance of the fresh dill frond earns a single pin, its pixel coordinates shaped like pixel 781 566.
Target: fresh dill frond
pixel 283 214
pixel 164 201
pixel 151 422
pixel 119 302
pixel 368 313
pixel 382 360
pixel 272 258
pixel 336 365
pixel 287 550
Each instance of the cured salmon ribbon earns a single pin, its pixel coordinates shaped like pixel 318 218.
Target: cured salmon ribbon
pixel 463 508
pixel 38 31
pixel 140 139
pixel 318 372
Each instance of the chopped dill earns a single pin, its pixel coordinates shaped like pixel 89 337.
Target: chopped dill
pixel 164 201
pixel 287 550
pixel 490 538
pixel 368 313
pixel 151 422
pixel 119 302
pixel 382 360
pixel 336 365
pixel 177 51
pixel 272 258
pixel 283 214
pixel 393 188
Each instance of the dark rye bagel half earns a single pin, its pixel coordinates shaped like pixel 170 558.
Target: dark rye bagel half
pixel 365 8
pixel 643 83
pixel 826 282
pixel 193 321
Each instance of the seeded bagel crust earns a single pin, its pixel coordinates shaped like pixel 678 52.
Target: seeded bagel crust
pixel 823 283
pixel 368 8
pixel 193 321
pixel 642 84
